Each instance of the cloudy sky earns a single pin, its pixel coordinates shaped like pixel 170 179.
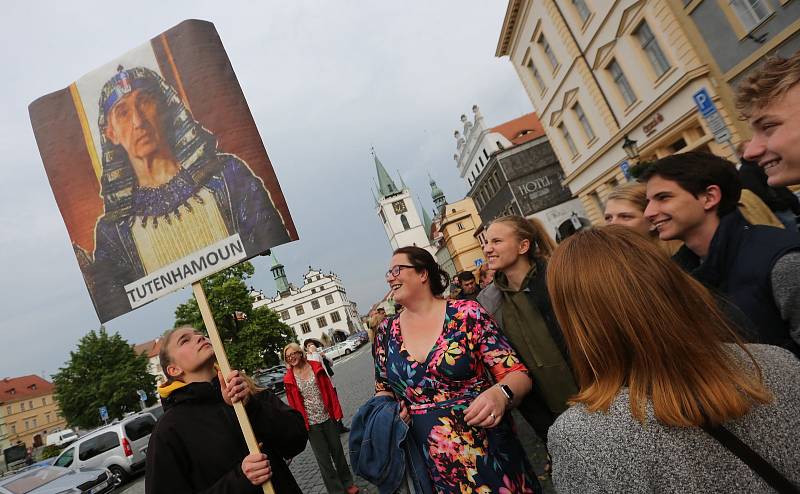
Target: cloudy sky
pixel 324 80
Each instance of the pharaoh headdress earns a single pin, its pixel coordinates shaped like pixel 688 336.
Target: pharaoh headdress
pixel 193 146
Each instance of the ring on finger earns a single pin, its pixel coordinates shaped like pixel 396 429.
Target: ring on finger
pixel 494 417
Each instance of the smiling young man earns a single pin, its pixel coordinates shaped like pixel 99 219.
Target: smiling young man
pixel 770 100
pixel 692 197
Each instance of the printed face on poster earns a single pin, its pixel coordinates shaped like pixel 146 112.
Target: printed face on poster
pixel 158 170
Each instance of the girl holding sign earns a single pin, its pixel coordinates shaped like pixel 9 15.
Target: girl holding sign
pixel 197 446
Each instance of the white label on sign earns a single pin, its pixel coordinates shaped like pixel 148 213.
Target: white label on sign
pixel 186 271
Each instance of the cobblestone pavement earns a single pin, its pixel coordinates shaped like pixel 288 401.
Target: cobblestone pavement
pixel 354 380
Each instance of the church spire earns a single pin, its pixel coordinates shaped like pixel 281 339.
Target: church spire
pixel 437 195
pixel 426 219
pixel 281 283
pixel 386 186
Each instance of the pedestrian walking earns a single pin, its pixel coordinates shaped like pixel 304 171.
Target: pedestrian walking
pixel 309 390
pixel 519 302
pixel 769 99
pixel 455 377
pixel 692 198
pixel 197 445
pixel 665 398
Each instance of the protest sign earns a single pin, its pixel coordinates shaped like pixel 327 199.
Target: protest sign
pixel 158 170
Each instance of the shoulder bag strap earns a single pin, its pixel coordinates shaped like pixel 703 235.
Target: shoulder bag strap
pixel 764 469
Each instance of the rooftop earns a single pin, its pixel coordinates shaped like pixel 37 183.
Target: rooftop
pixel 522 129
pixel 24 387
pixel 151 348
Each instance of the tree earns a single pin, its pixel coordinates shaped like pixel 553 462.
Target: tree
pixel 253 338
pixel 103 371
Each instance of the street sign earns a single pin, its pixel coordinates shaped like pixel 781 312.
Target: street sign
pixel 712 117
pixel 142 395
pixel 626 170
pixel 103 414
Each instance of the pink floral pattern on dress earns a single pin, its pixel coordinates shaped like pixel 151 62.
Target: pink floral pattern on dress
pixel 467 358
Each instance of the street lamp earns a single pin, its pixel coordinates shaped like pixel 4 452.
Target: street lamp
pixel 631 148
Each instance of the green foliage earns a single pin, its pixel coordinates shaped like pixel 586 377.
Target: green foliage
pixel 50 451
pixel 254 339
pixel 103 371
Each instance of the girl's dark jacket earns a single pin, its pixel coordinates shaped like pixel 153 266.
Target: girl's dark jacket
pixel 198 447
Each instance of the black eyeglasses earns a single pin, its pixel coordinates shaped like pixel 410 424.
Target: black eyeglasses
pixel 395 271
pixel 293 355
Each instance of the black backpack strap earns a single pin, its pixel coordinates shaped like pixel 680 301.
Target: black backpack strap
pixel 764 469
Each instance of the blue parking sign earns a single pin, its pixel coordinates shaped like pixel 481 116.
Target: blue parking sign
pixel 704 102
pixel 103 414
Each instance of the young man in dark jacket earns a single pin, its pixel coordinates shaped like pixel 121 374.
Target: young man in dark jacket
pixel 197 445
pixel 692 197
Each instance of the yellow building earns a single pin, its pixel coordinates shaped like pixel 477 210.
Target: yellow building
pixel 28 411
pixel 598 72
pixel 457 223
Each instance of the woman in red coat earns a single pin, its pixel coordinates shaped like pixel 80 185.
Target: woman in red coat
pixel 309 391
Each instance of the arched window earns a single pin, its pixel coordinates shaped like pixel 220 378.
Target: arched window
pixel 404 221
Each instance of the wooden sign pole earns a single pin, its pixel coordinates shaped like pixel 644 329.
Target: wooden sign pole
pixel 222 360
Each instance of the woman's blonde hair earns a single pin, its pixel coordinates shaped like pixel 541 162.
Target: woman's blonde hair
pixel 532 230
pixel 291 346
pixel 633 192
pixel 164 358
pixel 632 318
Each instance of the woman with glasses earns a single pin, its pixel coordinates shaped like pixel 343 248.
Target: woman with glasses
pixel 309 390
pixel 441 359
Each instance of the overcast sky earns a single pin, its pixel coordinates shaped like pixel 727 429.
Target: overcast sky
pixel 324 80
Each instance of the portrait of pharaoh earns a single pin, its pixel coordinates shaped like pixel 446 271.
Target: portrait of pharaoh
pixel 166 188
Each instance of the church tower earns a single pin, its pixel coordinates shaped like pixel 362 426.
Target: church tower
pixel 281 283
pixel 398 213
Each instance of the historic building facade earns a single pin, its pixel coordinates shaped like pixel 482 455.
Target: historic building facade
pixel 735 35
pixel 318 309
pixel 601 74
pixel 28 411
pixel 521 174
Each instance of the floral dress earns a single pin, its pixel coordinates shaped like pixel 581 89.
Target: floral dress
pixel 467 356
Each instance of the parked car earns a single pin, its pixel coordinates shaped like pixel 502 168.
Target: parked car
pixel 61 438
pixel 156 410
pixel 121 447
pixel 272 381
pixel 361 337
pixel 345 347
pixel 58 480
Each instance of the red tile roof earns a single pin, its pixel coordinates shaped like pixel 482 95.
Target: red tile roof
pixel 151 348
pixel 522 129
pixel 24 387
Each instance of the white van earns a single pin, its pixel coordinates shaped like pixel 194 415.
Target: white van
pixel 120 447
pixel 61 438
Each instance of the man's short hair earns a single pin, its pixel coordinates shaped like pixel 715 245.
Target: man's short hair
pixel 694 171
pixel 465 276
pixel 768 83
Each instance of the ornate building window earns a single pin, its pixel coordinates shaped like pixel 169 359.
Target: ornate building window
pixel 750 12
pixel 653 50
pixel 581 116
pixel 622 83
pixel 404 221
